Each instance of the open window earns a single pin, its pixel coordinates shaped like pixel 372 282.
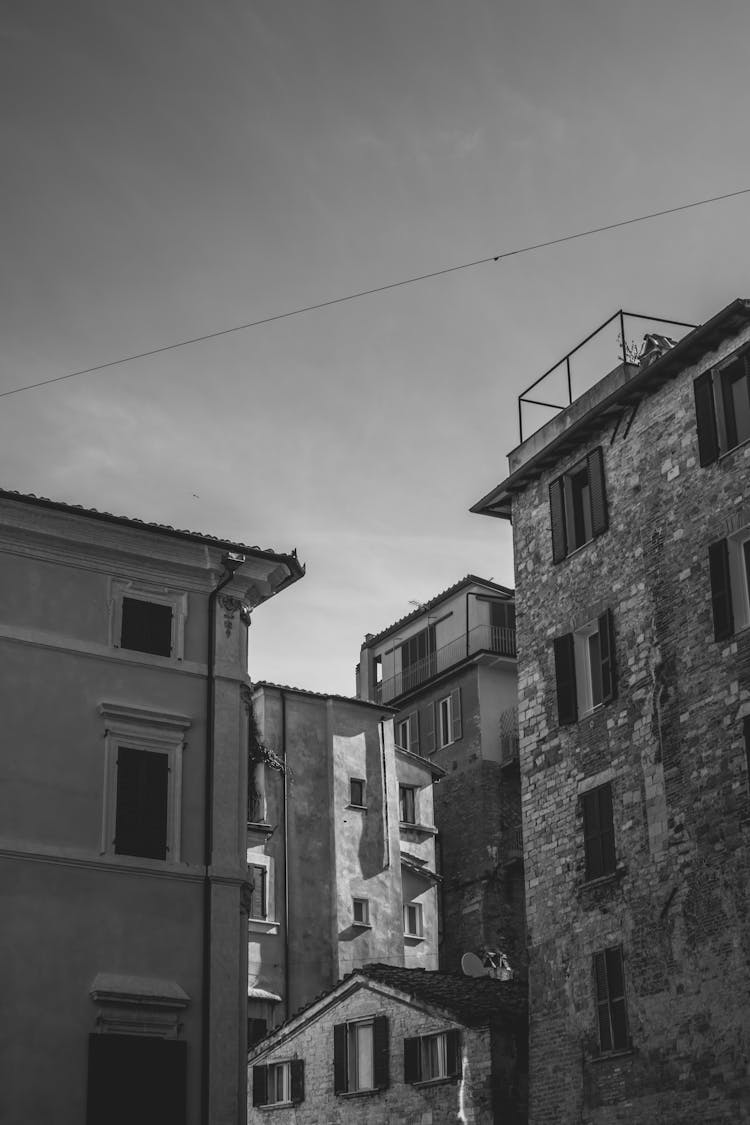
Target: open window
pixel 585 668
pixel 578 505
pixel 279 1083
pixel 722 407
pixel 609 977
pixel 428 1058
pixel 729 569
pixel 360 1055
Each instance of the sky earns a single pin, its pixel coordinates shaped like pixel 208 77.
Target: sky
pixel 173 168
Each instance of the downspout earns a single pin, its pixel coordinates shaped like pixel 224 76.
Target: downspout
pixel 386 824
pixel 285 799
pixel 230 564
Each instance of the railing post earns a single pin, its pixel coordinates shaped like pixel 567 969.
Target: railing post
pixel 570 384
pixel 622 337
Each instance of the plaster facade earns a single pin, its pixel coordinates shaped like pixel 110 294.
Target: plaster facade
pixel 669 744
pixel 97 941
pixel 324 847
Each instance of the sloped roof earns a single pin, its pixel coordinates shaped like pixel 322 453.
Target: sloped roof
pixel 323 695
pixel 468 580
pixel 297 569
pixel 471 1001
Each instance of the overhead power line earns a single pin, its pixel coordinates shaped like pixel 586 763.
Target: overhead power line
pixel 370 292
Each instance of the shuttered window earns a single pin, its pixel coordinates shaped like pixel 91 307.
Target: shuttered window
pixel 428 729
pixel 134 1078
pixel 578 505
pixel 430 1057
pixel 721 589
pixel 585 668
pixel 722 407
pixel 565 677
pixel 598 832
pixel 281 1083
pixel 360 1055
pixel 609 978
pixel 449 721
pixel 146 627
pixel 141 803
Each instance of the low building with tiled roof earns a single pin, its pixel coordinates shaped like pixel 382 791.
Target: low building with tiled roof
pixel 392 1044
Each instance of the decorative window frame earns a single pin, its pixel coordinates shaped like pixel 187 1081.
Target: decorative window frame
pixel 120 588
pixel 362 923
pixel 161 733
pixel 418 933
pixel 357 804
pixel 269 924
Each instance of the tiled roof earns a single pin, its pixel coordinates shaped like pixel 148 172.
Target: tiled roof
pixel 473 1001
pixel 323 695
pixel 291 560
pixel 468 580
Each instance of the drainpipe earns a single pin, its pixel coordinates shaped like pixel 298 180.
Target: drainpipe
pixel 285 802
pixel 386 823
pixel 231 563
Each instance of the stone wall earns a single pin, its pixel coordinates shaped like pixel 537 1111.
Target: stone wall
pixel 671 744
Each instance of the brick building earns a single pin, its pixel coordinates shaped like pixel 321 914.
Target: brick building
pixel 341 849
pixel 449 669
pixel 397 1045
pixel 631 520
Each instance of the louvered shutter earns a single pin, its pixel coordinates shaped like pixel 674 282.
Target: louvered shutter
pixel 260 1085
pixel 607 829
pixel 565 676
pixel 602 1002
pixel 453 1055
pixel 607 654
pixel 721 589
pixel 414 732
pixel 339 1059
pixel 411 1060
pixel 380 1051
pixel 557 517
pixel 297 1074
pixel 597 492
pixel 746 730
pixel 705 416
pixel 456 725
pixel 429 729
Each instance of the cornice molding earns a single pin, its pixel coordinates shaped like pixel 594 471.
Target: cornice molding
pixel 122 865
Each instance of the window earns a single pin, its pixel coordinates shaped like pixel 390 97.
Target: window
pixel 746 732
pixel 413 920
pixel 141 803
pixel 417 658
pixel 449 718
pixel 729 570
pixel 158 1097
pixel 357 792
pixel 146 627
pixel 610 1000
pixel 256 1030
pixel 578 505
pixel 361 911
pixel 722 407
pixel 281 1083
pixel 598 832
pixel 430 1057
pixel 407 804
pixel 360 1055
pixel 147 618
pixel 258 907
pixel 585 669
pixel 142 782
pixel 407 732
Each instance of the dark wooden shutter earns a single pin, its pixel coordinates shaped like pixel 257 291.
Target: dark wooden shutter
pixel 260 1085
pixel 721 589
pixel 456 726
pixel 339 1059
pixel 557 517
pixel 598 832
pixel 380 1051
pixel 616 988
pixel 453 1054
pixel 146 627
pixel 141 809
pixel 607 654
pixel 133 1078
pixel 297 1072
pixel 414 732
pixel 411 1060
pixel 565 676
pixel 602 1002
pixel 746 730
pixel 597 491
pixel 705 415
pixel 429 729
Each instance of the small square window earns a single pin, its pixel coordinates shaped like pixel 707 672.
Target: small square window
pixel 357 788
pixel 146 627
pixel 413 920
pixel 147 618
pixel 361 911
pixel 407 800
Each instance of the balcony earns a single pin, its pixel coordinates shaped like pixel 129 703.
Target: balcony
pixel 482 638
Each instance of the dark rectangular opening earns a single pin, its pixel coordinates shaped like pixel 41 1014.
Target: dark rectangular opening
pixel 141 812
pixel 133 1078
pixel 146 627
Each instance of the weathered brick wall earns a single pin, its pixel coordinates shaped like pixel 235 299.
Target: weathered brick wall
pixel 439 1103
pixel 671 744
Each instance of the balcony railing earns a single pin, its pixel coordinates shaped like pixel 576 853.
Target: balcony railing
pixel 482 638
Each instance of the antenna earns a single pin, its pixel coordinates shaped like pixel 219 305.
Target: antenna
pixel 471 966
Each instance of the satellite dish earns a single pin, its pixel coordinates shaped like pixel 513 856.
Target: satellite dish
pixel 471 966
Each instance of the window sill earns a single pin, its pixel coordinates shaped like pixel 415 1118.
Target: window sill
pixel 360 1093
pixel 611 1056
pixel 362 925
pixel 262 926
pixel 413 939
pixel 728 452
pixel 277 1105
pixel 418 829
pixel 361 808
pixel 442 1081
pixel 603 881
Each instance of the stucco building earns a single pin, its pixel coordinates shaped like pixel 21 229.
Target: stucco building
pixel 631 524
pixel 341 849
pixel 397 1045
pixel 123 809
pixel 449 670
